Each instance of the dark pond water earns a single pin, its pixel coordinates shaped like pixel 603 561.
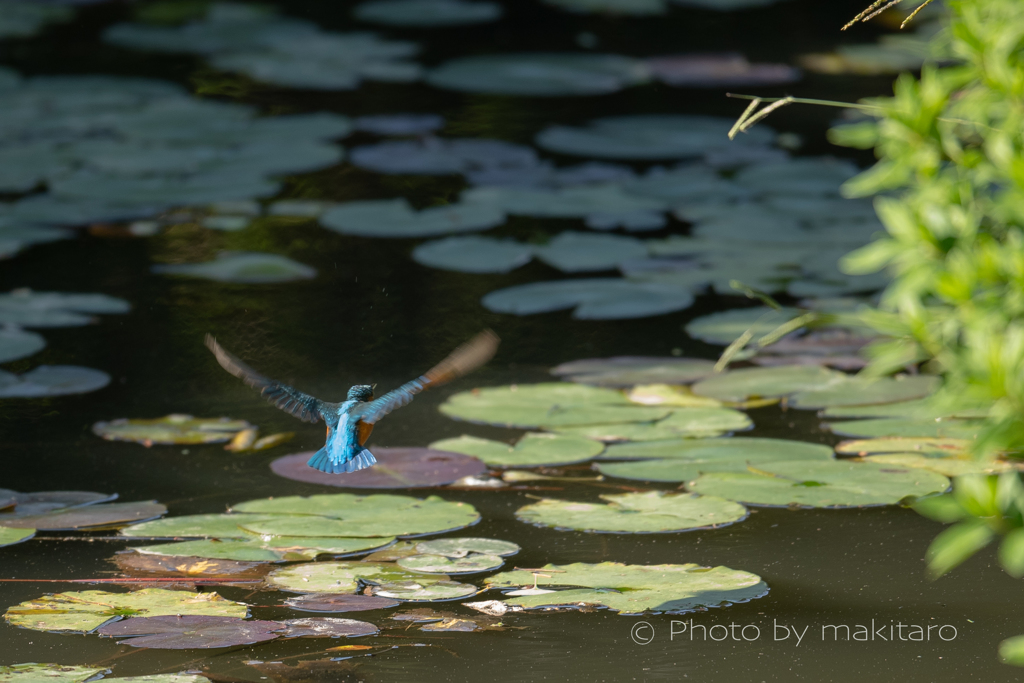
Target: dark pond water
pixel 373 315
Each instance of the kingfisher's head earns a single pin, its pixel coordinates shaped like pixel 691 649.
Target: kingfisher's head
pixel 361 392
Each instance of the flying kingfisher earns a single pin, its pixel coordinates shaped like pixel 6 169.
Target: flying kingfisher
pixel 349 423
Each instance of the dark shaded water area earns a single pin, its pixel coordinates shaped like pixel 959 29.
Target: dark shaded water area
pixel 373 315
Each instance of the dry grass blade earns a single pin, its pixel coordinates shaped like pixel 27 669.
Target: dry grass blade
pixel 751 108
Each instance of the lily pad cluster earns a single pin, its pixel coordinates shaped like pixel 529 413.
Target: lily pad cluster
pixel 631 588
pixel 253 40
pixel 297 528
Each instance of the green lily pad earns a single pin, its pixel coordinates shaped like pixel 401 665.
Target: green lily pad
pixel 635 513
pixel 540 75
pixel 550 404
pixel 47 673
pixel 591 299
pixel 460 547
pixel 956 429
pixel 681 422
pixel 419 590
pixel 473 254
pixel 946 465
pixel 172 429
pixel 375 515
pixel 439 564
pixel 726 326
pixel 52 380
pixel 733 447
pixel 627 371
pixel 821 484
pixel 16 343
pixel 84 611
pixel 739 385
pixel 634 588
pixel 243 267
pixel 344 577
pixel 649 137
pixel 530 451
pixel 427 13
pixel 852 391
pixel 577 252
pixel 929 408
pixel 692 462
pixel 194 526
pixel 899 444
pixel 267 548
pixel 396 218
pixel 9 536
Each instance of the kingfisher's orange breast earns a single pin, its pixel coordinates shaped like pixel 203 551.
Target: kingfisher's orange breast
pixel 363 430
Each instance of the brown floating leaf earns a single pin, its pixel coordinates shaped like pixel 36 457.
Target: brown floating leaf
pixel 87 516
pixel 136 564
pixel 395 468
pixel 339 602
pixel 421 615
pixel 327 627
pixel 191 632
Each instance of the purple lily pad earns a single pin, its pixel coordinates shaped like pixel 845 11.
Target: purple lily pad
pixel 396 468
pixel 191 632
pixel 87 516
pixel 339 602
pixel 327 627
pixel 718 70
pixel 44 501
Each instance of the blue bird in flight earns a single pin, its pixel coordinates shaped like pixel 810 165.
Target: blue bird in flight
pixel 350 422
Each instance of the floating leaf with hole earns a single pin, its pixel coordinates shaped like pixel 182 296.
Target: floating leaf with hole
pixel 898 444
pixel 540 74
pixel 739 385
pixel 632 589
pixel 460 547
pixel 473 254
pixel 881 427
pixel 10 536
pixel 173 429
pixel 549 404
pixel 47 673
pixel 85 610
pixel 440 564
pixel 647 137
pixel 339 602
pixel 627 371
pixel 650 512
pixel 87 516
pixel 327 627
pixel 725 327
pixel 243 267
pixel 396 468
pixel 373 515
pixel 591 298
pixel 427 13
pixel 688 461
pixel 821 484
pixel 531 450
pixel 853 391
pixel 52 380
pixel 187 632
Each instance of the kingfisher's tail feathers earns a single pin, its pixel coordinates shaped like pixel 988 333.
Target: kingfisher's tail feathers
pixel 464 359
pixel 321 460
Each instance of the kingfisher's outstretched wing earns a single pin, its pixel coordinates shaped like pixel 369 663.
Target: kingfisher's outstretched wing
pixel 461 361
pixel 303 406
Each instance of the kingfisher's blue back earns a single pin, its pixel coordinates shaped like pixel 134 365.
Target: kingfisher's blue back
pixel 343 452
